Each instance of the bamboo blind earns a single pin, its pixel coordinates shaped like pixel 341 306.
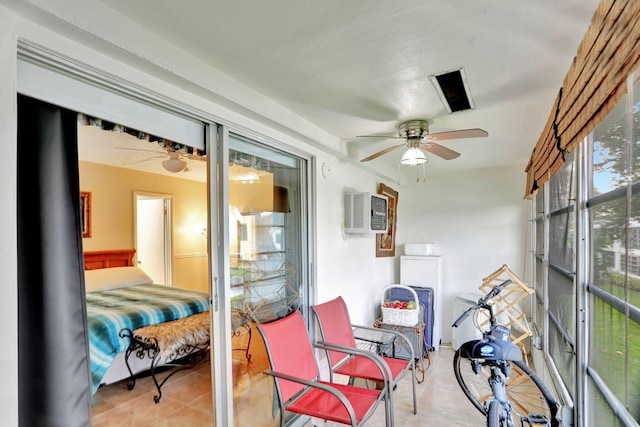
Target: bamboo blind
pixel 595 82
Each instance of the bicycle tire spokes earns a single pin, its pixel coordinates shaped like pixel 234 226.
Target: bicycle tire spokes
pixel 492 375
pixel 522 392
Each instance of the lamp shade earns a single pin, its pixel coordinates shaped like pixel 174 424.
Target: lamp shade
pixel 174 165
pixel 413 156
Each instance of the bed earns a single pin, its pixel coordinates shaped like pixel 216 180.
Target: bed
pixel 119 296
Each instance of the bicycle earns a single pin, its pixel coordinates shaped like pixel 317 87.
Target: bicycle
pixel 494 378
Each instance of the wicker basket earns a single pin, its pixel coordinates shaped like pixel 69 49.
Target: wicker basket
pixel 397 316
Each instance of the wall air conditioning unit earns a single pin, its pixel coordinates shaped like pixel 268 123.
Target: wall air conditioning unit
pixel 365 213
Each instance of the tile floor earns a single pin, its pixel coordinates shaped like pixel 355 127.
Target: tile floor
pixel 186 398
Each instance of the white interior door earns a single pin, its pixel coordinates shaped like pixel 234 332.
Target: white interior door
pixel 153 236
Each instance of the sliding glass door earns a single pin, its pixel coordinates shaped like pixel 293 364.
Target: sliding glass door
pixel 266 258
pixel 259 203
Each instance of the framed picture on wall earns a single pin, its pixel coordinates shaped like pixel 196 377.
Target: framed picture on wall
pixel 386 242
pixel 85 213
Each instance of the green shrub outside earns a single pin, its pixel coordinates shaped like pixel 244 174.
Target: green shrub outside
pixel 617 279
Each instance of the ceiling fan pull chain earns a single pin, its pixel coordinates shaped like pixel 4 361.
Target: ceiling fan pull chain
pixel 424 173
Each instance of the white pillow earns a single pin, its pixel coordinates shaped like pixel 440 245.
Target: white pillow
pixel 104 279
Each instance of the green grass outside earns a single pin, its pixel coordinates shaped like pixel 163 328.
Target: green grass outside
pixel 615 347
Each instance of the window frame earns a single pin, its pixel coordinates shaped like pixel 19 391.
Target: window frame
pixel 590 384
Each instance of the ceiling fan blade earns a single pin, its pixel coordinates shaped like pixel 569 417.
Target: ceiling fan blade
pixel 439 150
pixel 163 152
pixel 380 136
pixel 144 160
pixel 455 134
pixel 380 153
pixel 202 157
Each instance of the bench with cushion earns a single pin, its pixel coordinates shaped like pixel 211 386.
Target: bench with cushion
pixel 179 343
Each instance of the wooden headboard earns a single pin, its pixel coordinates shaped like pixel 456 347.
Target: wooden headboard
pixel 106 259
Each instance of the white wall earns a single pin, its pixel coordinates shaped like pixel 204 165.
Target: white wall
pixel 477 221
pixel 347 263
pixel 90 32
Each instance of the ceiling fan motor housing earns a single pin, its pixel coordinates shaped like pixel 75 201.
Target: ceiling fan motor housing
pixel 414 129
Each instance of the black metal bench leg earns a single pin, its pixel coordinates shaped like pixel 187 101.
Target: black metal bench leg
pixel 149 347
pixel 133 344
pixel 193 358
pixel 154 364
pixel 247 354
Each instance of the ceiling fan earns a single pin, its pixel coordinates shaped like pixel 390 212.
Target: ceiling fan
pixel 417 138
pixel 176 158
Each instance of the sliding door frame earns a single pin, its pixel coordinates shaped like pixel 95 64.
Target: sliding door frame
pixel 215 139
pixel 221 351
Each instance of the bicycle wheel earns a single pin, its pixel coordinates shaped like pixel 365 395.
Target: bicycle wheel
pixel 493 414
pixel 526 392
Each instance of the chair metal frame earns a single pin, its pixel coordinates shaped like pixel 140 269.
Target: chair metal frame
pixel 336 331
pixel 297 381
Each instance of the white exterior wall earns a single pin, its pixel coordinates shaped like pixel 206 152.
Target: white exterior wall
pixel 477 222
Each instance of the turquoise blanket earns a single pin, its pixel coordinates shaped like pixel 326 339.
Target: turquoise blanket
pixel 132 307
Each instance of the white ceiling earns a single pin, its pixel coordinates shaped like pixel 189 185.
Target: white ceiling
pixel 360 67
pixel 126 151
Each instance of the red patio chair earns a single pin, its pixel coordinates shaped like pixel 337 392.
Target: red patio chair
pixel 336 332
pixel 297 378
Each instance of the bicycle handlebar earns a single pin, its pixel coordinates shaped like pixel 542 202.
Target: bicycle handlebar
pixel 482 302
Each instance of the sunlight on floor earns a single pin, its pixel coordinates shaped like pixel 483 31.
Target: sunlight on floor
pixel 186 398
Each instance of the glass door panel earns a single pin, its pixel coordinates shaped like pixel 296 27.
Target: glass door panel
pixel 266 258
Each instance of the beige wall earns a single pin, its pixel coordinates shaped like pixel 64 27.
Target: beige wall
pixel 112 191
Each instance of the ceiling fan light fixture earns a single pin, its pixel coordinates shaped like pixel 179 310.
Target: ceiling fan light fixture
pixel 413 156
pixel 247 178
pixel 174 165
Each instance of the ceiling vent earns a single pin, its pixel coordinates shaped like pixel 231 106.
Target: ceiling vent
pixel 453 89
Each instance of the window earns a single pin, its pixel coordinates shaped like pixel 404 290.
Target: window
pixel 539 282
pixel 609 286
pixel 560 274
pixel 268 257
pixel 634 236
pixel 614 286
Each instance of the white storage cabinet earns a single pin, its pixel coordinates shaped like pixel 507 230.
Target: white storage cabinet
pixel 426 272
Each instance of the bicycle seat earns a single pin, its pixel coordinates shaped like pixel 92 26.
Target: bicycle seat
pixel 490 349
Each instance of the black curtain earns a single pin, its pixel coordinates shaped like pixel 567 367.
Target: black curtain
pixel 54 382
